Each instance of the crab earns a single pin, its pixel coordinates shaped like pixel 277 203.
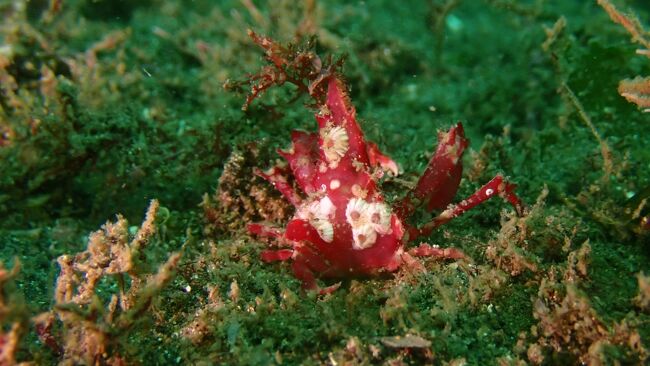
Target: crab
pixel 343 227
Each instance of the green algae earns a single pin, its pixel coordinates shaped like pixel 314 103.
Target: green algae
pixel 153 121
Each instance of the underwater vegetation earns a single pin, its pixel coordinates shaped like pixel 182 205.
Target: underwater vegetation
pixel 635 90
pixel 139 223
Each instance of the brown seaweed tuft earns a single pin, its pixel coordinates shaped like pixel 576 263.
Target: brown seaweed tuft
pixel 569 330
pixel 13 316
pixel 242 197
pixel 91 327
pixel 635 90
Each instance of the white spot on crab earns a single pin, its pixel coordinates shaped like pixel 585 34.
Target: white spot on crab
pixel 289 151
pixel 360 212
pixel 380 217
pixel 324 228
pixel 324 208
pixel 335 183
pixel 367 220
pixel 357 213
pixel 359 192
pixel 319 213
pixel 324 111
pixel 489 191
pixel 302 161
pixel 363 237
pixel 335 143
pixel 358 166
pixel 448 212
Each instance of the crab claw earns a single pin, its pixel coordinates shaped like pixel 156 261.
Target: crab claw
pixel 277 176
pixel 438 184
pixel 378 159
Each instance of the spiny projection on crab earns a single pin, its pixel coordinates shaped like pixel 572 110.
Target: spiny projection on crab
pixel 342 226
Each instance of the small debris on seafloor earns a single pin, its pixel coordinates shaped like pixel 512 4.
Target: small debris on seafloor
pixel 407 341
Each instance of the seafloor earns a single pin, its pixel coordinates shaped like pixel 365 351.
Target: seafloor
pixel 106 105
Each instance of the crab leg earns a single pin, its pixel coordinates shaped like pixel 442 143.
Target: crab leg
pixel 280 241
pixel 268 256
pixel 265 230
pixel 305 259
pixel 302 158
pixel 271 232
pixel 303 272
pixel 280 255
pixel 277 176
pixel 426 250
pixel 496 187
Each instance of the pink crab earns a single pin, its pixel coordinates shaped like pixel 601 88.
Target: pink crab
pixel 342 226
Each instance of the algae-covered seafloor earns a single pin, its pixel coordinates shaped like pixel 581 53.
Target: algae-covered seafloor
pixel 119 107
